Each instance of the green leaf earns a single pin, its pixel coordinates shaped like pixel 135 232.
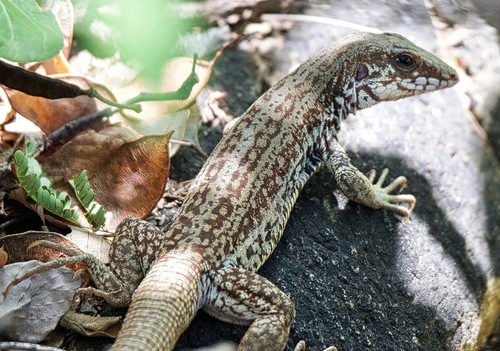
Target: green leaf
pixel 32 183
pixel 39 186
pixel 95 213
pixel 30 148
pixel 28 33
pixel 21 163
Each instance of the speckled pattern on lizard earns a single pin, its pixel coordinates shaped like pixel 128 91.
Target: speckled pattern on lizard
pixel 238 205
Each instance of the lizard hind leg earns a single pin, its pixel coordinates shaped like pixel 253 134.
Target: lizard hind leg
pixel 130 257
pixel 242 297
pixel 108 285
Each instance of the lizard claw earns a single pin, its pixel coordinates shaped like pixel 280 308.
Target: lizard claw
pixel 301 346
pixel 56 246
pixel 72 258
pixel 390 202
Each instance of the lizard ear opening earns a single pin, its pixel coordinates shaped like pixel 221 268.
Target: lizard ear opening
pixel 361 72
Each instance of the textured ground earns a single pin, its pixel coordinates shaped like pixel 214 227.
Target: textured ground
pixel 362 279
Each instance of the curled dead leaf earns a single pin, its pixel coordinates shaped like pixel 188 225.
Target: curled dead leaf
pixel 128 176
pixel 4 256
pixel 90 325
pixel 50 114
pixel 16 247
pixel 175 73
pixel 159 117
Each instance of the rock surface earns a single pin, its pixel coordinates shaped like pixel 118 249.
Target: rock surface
pixel 362 279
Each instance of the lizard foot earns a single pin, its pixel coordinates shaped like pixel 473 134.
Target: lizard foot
pixel 73 258
pixel 111 290
pixel 301 346
pixel 391 202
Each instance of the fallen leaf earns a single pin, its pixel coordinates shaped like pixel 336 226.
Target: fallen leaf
pixel 176 121
pixel 164 116
pixel 135 179
pixel 175 73
pixel 57 65
pixel 63 11
pixel 16 247
pixel 4 256
pixel 51 114
pixel 128 177
pixel 192 127
pixel 88 150
pixel 90 243
pixel 33 307
pixel 90 325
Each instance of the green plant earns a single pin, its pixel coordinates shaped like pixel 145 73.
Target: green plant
pixel 39 187
pixel 96 213
pixel 29 32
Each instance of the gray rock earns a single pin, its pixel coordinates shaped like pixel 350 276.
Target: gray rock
pixel 363 279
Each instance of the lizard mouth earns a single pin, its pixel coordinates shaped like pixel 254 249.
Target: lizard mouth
pixel 424 84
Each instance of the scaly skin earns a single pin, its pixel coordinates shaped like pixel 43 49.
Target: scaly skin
pixel 237 208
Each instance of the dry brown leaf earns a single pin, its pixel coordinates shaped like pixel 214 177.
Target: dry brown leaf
pixel 89 150
pixel 135 179
pixel 90 325
pixel 57 65
pixel 4 256
pixel 15 245
pixel 128 178
pixel 49 115
pixel 90 243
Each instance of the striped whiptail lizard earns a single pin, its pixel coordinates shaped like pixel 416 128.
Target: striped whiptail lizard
pixel 237 207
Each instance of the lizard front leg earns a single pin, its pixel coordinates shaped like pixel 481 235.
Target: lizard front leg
pixel 131 254
pixel 364 190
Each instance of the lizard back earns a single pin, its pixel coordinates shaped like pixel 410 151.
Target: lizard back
pixel 239 204
pixel 237 208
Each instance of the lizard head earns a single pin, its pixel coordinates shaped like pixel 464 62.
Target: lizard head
pixel 390 67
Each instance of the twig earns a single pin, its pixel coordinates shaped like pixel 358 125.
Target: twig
pixel 181 94
pixel 35 84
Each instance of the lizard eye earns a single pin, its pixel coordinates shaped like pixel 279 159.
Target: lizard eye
pixel 405 62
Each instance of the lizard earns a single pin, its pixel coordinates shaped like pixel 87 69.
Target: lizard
pixel 238 205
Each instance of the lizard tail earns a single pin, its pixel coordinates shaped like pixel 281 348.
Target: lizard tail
pixel 164 304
